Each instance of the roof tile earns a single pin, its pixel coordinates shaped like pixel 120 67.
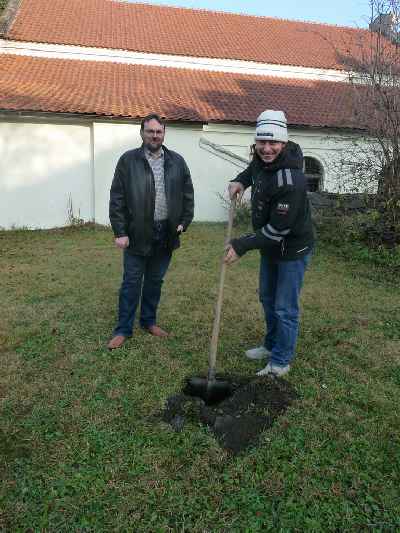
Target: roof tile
pixel 133 91
pixel 179 31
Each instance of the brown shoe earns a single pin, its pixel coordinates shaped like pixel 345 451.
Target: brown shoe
pixel 156 331
pixel 116 342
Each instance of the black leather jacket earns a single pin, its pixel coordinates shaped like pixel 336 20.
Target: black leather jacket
pixel 281 212
pixel 132 199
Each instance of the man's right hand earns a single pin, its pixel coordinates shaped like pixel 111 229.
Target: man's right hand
pixel 122 242
pixel 235 190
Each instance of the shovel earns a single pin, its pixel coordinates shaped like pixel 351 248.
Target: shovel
pixel 213 389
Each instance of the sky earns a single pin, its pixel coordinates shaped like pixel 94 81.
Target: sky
pixel 354 13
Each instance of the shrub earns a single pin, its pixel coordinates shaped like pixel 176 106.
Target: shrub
pixel 242 211
pixel 365 236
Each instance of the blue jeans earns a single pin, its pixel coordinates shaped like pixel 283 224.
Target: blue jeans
pixel 280 286
pixel 143 277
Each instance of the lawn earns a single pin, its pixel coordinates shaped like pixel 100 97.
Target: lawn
pixel 83 447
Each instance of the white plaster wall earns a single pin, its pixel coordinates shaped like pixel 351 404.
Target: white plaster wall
pixel 32 49
pixel 41 165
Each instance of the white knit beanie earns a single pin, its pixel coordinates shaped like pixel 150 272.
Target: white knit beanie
pixel 271 126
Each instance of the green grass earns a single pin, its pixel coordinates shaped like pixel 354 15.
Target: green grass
pixel 82 448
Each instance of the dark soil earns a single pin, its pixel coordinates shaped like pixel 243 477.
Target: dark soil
pixel 237 421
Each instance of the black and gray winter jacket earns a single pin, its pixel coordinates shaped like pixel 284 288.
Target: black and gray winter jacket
pixel 281 213
pixel 132 199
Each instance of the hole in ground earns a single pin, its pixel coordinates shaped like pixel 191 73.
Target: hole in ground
pixel 238 419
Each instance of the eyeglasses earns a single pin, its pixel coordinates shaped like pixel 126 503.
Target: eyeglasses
pixel 154 132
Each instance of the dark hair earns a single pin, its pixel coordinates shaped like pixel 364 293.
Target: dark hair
pixel 152 116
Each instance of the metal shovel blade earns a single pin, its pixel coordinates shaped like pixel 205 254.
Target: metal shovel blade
pixel 211 391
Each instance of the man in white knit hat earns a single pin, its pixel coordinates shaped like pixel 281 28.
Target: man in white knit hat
pixel 281 218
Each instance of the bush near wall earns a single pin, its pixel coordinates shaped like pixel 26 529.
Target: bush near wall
pixel 352 223
pixel 355 225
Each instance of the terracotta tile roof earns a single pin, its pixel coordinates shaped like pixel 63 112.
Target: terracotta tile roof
pixel 180 31
pixel 120 90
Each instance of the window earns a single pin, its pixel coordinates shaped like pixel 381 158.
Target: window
pixel 314 172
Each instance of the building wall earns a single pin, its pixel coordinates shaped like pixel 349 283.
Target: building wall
pixel 45 168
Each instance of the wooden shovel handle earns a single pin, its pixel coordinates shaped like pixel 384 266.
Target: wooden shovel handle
pixel 218 307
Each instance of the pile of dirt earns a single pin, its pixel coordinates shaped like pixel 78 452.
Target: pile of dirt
pixel 237 421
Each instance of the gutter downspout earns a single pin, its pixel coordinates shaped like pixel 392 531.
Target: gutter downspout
pixel 223 153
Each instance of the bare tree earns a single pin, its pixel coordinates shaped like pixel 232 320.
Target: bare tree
pixel 374 74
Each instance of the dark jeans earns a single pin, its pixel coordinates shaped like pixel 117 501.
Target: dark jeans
pixel 143 277
pixel 280 286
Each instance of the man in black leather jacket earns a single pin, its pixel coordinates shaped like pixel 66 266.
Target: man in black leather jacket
pixel 281 217
pixel 151 204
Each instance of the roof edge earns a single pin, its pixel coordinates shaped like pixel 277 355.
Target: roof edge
pixel 8 16
pixel 101 117
pixel 155 3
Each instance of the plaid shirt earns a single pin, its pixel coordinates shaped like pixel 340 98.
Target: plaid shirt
pixel 157 166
